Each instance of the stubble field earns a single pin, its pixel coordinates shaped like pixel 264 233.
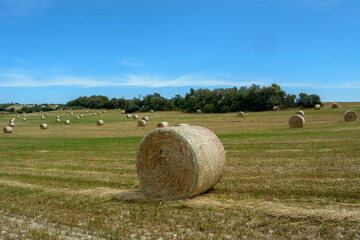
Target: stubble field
pixel 80 182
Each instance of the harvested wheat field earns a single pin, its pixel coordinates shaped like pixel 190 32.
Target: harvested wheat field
pixel 80 181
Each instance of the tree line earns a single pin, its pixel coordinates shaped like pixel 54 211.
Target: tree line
pixel 219 100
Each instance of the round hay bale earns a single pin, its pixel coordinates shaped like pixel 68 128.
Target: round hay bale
pixel 104 111
pixel 11 124
pixel 123 112
pixel 99 123
pixel 163 124
pixel 317 106
pixel 12 120
pixel 42 117
pixel 241 114
pixel 141 123
pixel 67 122
pixel 151 111
pixel 81 116
pixel 17 116
pixel 182 125
pixel 276 108
pixel 128 116
pixel 43 126
pixel 350 116
pixel 7 129
pixel 135 117
pixel 57 116
pixel 71 113
pixel 77 118
pixel 57 120
pixel 301 113
pixel 99 113
pixel 179 163
pixel 24 119
pixel 198 111
pixel 145 118
pixel 94 114
pixel 335 105
pixel 33 115
pixel 296 121
pixel 86 111
pixel 24 116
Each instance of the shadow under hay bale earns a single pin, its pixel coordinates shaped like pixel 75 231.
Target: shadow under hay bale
pixel 180 162
pixel 350 116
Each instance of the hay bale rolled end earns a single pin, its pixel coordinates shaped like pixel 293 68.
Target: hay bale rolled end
pixel 317 106
pixel 43 126
pixel 296 121
pixel 100 123
pixel 7 129
pixel 163 124
pixel 141 123
pixel 241 114
pixel 301 113
pixel 350 116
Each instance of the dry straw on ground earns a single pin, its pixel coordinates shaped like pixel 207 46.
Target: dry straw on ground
pixel 99 123
pixel 296 121
pixel 335 105
pixel 163 124
pixel 145 118
pixel 141 123
pixel 182 125
pixel 241 114
pixel 350 116
pixel 7 129
pixel 317 106
pixel 301 113
pixel 128 116
pixel 135 117
pixel 67 122
pixel 276 108
pixel 11 124
pixel 198 111
pixel 180 162
pixel 43 126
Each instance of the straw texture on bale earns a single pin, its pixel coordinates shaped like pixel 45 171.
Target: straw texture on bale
pixel 350 116
pixel 58 120
pixel 179 163
pixel 163 124
pixel 335 105
pixel 99 123
pixel 182 125
pixel 301 113
pixel 67 122
pixel 141 123
pixel 7 129
pixel 135 117
pixel 296 121
pixel 145 118
pixel 11 124
pixel 240 114
pixel 128 116
pixel 198 111
pixel 43 126
pixel 276 108
pixel 317 106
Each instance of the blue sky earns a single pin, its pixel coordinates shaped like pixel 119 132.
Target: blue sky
pixel 53 51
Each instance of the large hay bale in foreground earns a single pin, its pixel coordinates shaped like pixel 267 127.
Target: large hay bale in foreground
pixel 296 121
pixel 99 123
pixel 335 105
pixel 198 111
pixel 145 118
pixel 301 113
pixel 67 122
pixel 163 124
pixel 276 108
pixel 11 124
pixel 7 129
pixel 43 126
pixel 180 162
pixel 350 116
pixel 141 123
pixel 317 106
pixel 240 114
pixel 135 117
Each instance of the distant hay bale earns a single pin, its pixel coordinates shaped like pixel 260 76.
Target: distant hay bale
pixel 71 113
pixel 301 113
pixel 182 125
pixel 77 118
pixel 198 111
pixel 123 112
pixel 151 111
pixel 317 106
pixel 276 108
pixel 11 124
pixel 240 114
pixel 42 117
pixel 104 111
pixel 86 111
pixel 145 118
pixel 350 116
pixel 33 115
pixel 118 110
pixel 135 117
pixel 7 129
pixel 81 116
pixel 57 116
pixel 99 123
pixel 94 114
pixel 335 105
pixel 296 121
pixel 128 116
pixel 24 116
pixel 17 116
pixel 57 120
pixel 43 126
pixel 12 120
pixel 163 124
pixel 67 122
pixel 24 119
pixel 141 123
pixel 179 163
pixel 99 113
